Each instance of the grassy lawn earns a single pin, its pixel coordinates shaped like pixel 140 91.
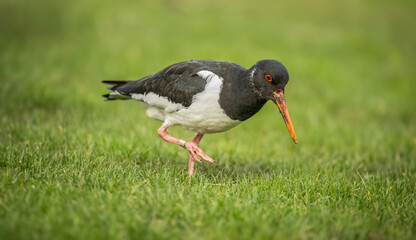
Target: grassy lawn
pixel 73 166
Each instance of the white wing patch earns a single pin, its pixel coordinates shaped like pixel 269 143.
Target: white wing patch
pixel 157 101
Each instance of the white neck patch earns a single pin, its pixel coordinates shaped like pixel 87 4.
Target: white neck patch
pixel 252 74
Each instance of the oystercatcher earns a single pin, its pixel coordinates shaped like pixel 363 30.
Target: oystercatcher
pixel 206 96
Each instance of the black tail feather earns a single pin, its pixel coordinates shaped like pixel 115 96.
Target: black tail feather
pixel 107 96
pixel 115 95
pixel 115 82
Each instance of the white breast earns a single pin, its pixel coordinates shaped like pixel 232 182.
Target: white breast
pixel 204 115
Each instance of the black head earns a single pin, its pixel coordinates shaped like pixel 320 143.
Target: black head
pixel 268 77
pixel 268 80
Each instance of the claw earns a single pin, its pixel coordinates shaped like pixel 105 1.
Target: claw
pixel 195 153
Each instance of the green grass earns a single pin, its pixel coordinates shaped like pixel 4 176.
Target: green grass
pixel 75 167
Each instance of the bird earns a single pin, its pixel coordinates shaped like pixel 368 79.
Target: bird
pixel 206 96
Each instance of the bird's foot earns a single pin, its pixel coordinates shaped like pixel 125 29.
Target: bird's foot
pixel 195 153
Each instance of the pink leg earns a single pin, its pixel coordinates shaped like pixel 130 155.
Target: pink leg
pixel 193 147
pixel 198 138
pixel 191 164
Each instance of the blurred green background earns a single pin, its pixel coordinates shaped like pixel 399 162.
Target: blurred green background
pixel 74 166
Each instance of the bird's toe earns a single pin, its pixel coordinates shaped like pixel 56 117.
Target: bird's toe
pixel 196 152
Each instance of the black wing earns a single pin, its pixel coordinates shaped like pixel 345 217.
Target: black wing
pixel 178 82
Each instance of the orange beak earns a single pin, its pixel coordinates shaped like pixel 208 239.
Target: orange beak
pixel 279 98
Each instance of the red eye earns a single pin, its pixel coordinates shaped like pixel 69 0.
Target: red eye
pixel 268 77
